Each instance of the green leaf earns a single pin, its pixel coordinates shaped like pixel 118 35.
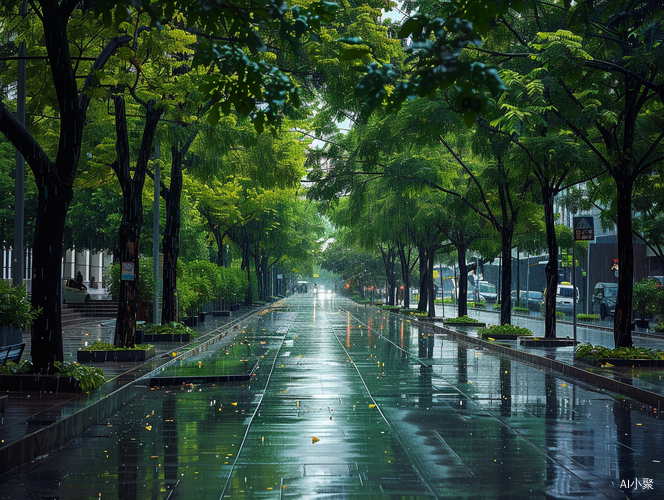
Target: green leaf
pixel 213 115
pixel 352 54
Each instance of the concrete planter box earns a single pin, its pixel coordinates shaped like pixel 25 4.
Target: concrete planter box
pixel 637 363
pixel 115 355
pixel 176 337
pixel 210 379
pixel 544 342
pixel 498 336
pixel 38 383
pixel 474 325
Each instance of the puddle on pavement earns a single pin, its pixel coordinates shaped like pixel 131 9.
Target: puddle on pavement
pixel 359 404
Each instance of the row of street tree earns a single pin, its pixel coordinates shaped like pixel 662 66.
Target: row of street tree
pixel 467 119
pixel 544 98
pixel 107 83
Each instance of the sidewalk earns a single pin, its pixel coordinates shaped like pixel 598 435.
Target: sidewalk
pixel 29 413
pixel 649 379
pixel 349 401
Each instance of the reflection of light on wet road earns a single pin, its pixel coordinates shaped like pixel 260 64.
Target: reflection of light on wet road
pixel 328 416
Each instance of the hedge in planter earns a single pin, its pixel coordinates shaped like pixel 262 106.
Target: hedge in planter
pixel 171 332
pixel 71 377
pixel 504 332
pixel 462 320
pixel 630 355
pixel 103 351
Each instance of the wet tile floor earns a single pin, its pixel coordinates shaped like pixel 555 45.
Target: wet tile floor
pixel 348 402
pixel 649 379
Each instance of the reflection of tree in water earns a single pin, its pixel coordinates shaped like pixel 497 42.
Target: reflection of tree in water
pixel 425 351
pixel 170 434
pixel 505 387
pixel 425 345
pixel 462 363
pixel 127 468
pixel 551 427
pixel 622 416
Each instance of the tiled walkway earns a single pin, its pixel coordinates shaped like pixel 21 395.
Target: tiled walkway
pixel 349 402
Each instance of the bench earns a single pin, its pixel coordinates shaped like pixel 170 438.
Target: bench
pixel 11 353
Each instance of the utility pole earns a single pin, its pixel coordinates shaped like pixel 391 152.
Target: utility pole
pixel 155 235
pixel 18 259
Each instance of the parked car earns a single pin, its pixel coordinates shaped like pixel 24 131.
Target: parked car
pixel 72 293
pixel 488 292
pixel 604 299
pixel 529 298
pixel 564 298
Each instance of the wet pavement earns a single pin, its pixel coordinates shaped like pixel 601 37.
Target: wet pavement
pixel 649 379
pixel 347 401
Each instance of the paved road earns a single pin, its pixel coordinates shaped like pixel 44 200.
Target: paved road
pixel 349 402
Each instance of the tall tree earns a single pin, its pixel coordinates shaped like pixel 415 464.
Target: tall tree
pixel 618 113
pixel 55 170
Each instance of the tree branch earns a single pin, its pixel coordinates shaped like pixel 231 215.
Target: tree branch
pixel 23 141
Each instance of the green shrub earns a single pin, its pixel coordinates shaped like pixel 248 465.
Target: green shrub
pixel 106 346
pixel 11 368
pixel 504 330
pixel 88 377
pixel 15 308
pixel 462 320
pixel 521 309
pixel 172 328
pixel 589 351
pixel 646 298
pixel 588 317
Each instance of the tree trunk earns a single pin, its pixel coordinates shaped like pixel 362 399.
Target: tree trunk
pixel 389 258
pixel 622 331
pixel 171 239
pixel 405 274
pixel 462 307
pixel 246 265
pixel 424 262
pixel 46 345
pixel 506 276
pixel 132 214
pixel 431 255
pixel 551 269
pixel 125 326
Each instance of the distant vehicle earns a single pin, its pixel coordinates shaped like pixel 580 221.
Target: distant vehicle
pixel 73 294
pixel 530 298
pixel 302 287
pixel 488 291
pixel 604 299
pixel 564 297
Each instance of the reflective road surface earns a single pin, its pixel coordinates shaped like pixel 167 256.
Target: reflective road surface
pixel 347 402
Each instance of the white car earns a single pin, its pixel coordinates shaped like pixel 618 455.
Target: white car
pixel 72 294
pixel 565 295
